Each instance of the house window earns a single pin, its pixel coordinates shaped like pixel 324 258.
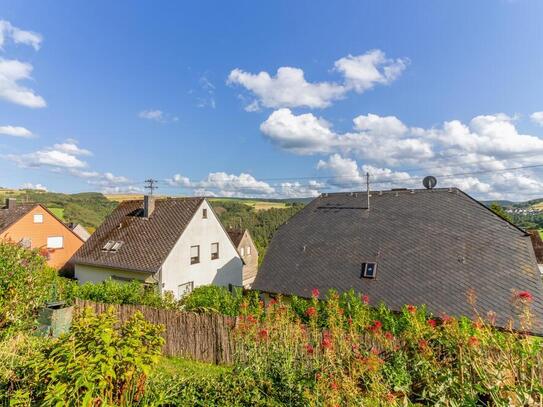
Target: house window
pixel 55 242
pixel 369 270
pixel 248 250
pixel 204 213
pixel 38 218
pixel 194 254
pixel 242 251
pixel 214 251
pixel 184 289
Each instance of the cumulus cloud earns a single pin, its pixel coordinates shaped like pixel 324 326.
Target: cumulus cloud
pixel 363 72
pixel 179 180
pixel 299 190
pixel 289 87
pixel 235 185
pixel 16 131
pixel 37 187
pixel 18 36
pixel 537 118
pixel 11 72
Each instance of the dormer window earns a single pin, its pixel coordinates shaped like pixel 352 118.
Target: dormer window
pixel 369 270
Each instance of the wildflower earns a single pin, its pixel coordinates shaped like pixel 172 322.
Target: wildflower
pixel 350 321
pixel 311 311
pixel 251 319
pixel 447 319
pixel 365 299
pixel 411 309
pixel 432 323
pixel 273 302
pixel 374 350
pixel 376 326
pixel 317 376
pixel 326 342
pixel 473 341
pixel 389 336
pixel 525 296
pixel 334 386
pixel 309 348
pixel 341 311
pixel 263 334
pixel 390 397
pixel 315 293
pixel 423 344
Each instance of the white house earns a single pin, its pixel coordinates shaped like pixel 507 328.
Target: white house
pixel 176 243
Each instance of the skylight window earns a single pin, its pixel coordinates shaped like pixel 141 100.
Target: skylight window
pixel 369 270
pixel 112 246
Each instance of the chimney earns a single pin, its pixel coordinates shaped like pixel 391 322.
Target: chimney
pixel 11 203
pixel 148 205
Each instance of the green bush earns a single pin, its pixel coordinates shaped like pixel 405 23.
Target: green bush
pixel 113 292
pixel 98 362
pixel 219 299
pixel 26 283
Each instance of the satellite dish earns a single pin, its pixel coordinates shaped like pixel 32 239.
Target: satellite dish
pixel 429 182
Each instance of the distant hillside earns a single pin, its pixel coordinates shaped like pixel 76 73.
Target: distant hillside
pixel 88 208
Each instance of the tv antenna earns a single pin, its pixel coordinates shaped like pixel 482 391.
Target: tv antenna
pixel 150 185
pixel 429 182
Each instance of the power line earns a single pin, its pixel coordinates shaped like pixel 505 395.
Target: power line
pixel 150 185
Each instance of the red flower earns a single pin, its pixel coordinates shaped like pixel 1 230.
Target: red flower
pixel 251 319
pixel 375 351
pixel 311 311
pixel 473 341
pixel 326 343
pixel 432 323
pixel 350 321
pixel 365 299
pixel 411 309
pixel 389 336
pixel 447 319
pixel 376 326
pixel 525 296
pixel 309 348
pixel 263 334
pixel 273 302
pixel 423 344
pixel 334 386
pixel 315 293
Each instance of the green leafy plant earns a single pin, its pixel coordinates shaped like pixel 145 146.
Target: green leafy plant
pixel 219 299
pixel 98 362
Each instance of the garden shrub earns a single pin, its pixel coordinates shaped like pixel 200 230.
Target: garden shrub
pixel 219 299
pixel 26 283
pixel 98 362
pixel 342 352
pixel 114 292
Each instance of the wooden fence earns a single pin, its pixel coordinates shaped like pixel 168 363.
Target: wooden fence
pixel 205 337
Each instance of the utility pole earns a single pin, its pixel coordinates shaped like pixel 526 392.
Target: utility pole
pixel 368 188
pixel 150 185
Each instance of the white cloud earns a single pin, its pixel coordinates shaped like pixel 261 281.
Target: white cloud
pixel 289 88
pixel 16 131
pixel 235 185
pixel 38 187
pixel 207 93
pixel 18 36
pixel 300 134
pixel 11 72
pixel 298 190
pixel 157 116
pixel 537 117
pixel 363 72
pixel 179 181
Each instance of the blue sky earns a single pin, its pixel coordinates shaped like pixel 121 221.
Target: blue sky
pixel 102 95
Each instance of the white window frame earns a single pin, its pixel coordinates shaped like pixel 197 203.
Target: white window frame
pixel 248 250
pixel 55 246
pixel 217 252
pixel 194 259
pixel 38 216
pixel 242 251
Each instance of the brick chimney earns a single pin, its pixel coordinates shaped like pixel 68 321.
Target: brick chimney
pixel 11 203
pixel 148 205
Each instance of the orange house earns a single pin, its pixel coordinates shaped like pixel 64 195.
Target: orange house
pixel 34 226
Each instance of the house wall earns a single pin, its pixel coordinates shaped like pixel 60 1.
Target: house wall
pixel 85 273
pixel 25 228
pixel 251 260
pixel 225 270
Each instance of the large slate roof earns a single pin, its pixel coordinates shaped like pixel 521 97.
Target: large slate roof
pixel 431 247
pixel 146 242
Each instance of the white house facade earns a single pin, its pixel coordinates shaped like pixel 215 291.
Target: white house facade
pixel 176 243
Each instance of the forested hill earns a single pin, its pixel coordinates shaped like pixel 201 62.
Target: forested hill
pixel 262 224
pixel 88 208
